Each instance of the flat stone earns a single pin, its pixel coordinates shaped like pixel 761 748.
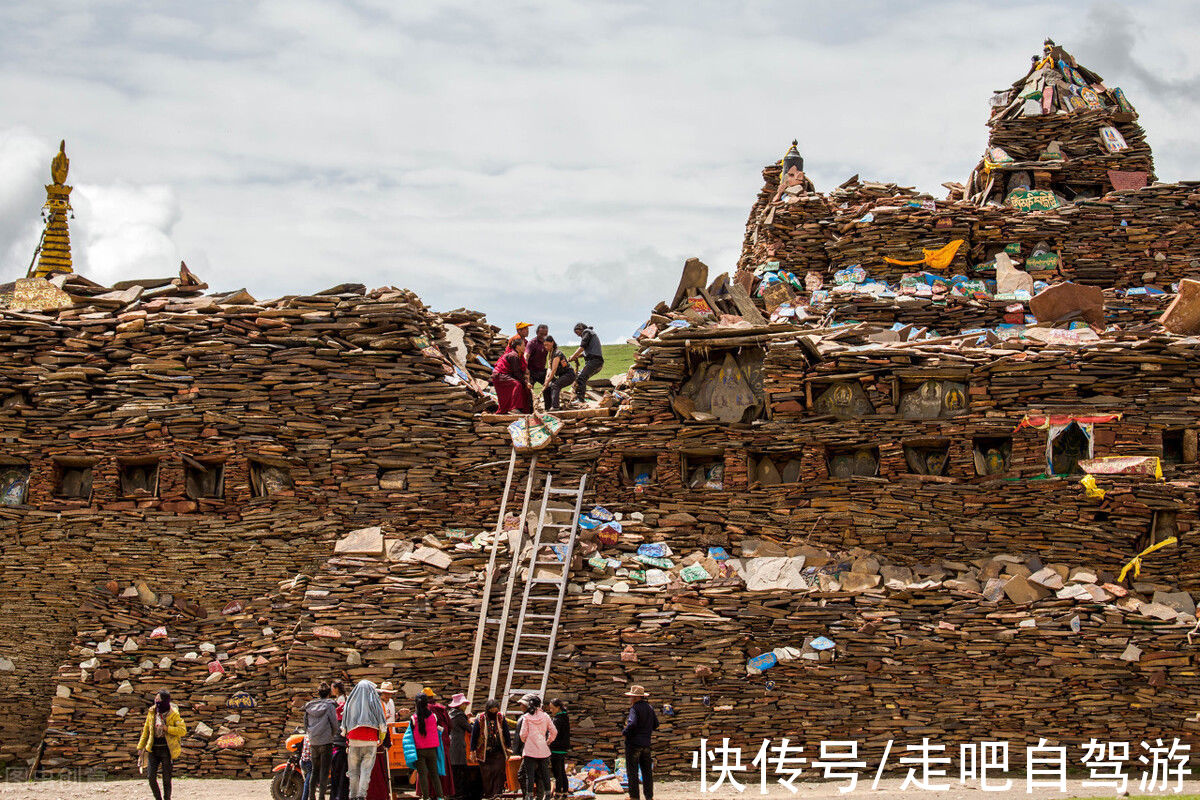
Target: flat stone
pixel 1063 300
pixel 1180 601
pixel 993 590
pixel 1022 592
pixel 6 665
pixel 1081 575
pixel 1132 653
pixel 1158 611
pixel 145 595
pixel 895 577
pixel 1047 577
pixel 858 582
pixel 362 542
pixel 865 566
pixel 963 585
pixel 125 688
pixel 433 557
pixel 1183 315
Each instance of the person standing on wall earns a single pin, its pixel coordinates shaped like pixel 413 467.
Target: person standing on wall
pixel 537 732
pixel 559 747
pixel 321 724
pixel 491 742
pixel 339 780
pixel 559 375
pixel 640 725
pixel 593 359
pixel 365 728
pixel 535 356
pixel 159 745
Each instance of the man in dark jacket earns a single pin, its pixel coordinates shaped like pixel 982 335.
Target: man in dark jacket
pixel 321 722
pixel 593 359
pixel 639 726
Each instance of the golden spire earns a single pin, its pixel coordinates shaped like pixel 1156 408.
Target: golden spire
pixel 54 252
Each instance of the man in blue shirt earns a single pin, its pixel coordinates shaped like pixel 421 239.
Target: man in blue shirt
pixel 593 359
pixel 639 725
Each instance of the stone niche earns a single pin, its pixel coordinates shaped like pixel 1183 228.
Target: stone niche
pixel 844 400
pixel 774 469
pixel 1069 446
pixel 14 482
pixel 927 456
pixel 138 477
pixel 993 454
pixel 724 386
pixel 852 462
pixel 269 478
pixel 703 470
pixel 203 478
pixel 639 468
pixel 932 398
pixel 73 477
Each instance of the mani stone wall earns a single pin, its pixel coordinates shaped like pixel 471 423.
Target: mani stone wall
pixel 923 654
pixel 898 511
pixel 319 414
pixel 1135 237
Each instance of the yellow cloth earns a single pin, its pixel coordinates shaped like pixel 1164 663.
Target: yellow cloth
pixel 1136 561
pixel 1090 488
pixel 936 259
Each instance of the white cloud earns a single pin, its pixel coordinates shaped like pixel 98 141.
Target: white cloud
pixel 545 160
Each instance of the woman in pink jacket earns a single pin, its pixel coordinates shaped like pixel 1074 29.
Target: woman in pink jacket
pixel 537 732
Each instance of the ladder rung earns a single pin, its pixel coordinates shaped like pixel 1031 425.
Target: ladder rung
pixel 538 635
pixel 549 563
pixel 557 525
pixel 564 491
pixel 571 509
pixel 555 581
pixel 538 653
pixel 543 597
pixel 535 690
pixel 552 544
pixel 528 671
pixel 540 616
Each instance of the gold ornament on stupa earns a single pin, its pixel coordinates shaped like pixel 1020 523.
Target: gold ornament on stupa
pixel 54 252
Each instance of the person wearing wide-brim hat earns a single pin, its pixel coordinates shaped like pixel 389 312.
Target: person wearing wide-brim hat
pixel 640 725
pixel 458 747
pixel 386 693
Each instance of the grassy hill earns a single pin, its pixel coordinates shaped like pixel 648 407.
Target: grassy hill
pixel 617 359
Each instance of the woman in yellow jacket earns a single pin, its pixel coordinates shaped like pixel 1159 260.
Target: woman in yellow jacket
pixel 160 742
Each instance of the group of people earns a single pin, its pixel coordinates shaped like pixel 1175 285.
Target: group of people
pixel 454 753
pixel 539 361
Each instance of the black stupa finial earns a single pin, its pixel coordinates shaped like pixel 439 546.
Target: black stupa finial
pixel 793 158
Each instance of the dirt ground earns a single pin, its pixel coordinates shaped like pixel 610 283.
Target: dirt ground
pixel 189 789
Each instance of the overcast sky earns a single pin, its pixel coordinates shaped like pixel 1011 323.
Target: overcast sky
pixel 548 161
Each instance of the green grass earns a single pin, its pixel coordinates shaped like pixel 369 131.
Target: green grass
pixel 617 359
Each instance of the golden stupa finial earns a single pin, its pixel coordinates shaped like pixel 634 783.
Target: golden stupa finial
pixel 60 164
pixel 54 251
